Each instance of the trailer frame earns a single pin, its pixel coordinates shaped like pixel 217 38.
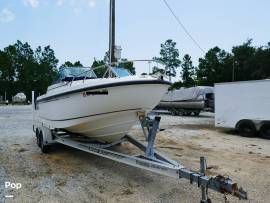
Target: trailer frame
pixel 150 159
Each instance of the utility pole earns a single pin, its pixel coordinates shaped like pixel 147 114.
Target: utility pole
pixel 112 32
pixel 149 63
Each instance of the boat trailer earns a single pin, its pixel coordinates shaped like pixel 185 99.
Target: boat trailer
pixel 151 160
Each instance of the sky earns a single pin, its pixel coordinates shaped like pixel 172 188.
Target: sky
pixel 78 29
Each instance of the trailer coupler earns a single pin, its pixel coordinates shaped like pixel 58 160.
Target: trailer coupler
pixel 217 183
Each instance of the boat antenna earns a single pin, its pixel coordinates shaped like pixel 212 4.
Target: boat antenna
pixel 112 34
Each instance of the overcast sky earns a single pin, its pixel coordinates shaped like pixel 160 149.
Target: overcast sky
pixel 78 29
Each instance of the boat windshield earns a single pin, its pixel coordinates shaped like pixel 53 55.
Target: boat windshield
pixel 76 73
pixel 121 72
pixel 81 73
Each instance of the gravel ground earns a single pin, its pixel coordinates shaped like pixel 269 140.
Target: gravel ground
pixel 69 175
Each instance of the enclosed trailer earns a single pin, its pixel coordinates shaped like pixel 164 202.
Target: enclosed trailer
pixel 244 106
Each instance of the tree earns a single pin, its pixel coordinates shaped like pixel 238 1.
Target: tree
pixel 24 70
pixel 176 85
pixel 169 56
pixel 47 68
pixel 262 58
pixel 187 71
pixel 70 64
pixel 99 68
pixel 212 67
pixel 124 63
pixel 244 61
pixel 24 65
pixel 7 78
pixel 157 70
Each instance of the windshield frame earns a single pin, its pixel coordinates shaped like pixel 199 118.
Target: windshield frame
pixel 116 72
pixel 75 73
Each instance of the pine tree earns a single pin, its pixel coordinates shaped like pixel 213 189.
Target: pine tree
pixel 169 56
pixel 187 72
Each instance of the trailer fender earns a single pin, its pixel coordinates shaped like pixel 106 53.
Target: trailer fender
pixel 47 136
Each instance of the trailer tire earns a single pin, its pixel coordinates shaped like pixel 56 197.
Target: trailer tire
pixel 181 112
pixel 196 113
pixel 37 137
pixel 44 148
pixel 246 128
pixel 265 130
pixel 173 113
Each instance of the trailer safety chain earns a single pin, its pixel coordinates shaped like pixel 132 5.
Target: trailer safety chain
pixel 224 179
pixel 225 198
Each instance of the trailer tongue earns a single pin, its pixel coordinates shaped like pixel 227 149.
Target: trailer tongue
pixel 162 165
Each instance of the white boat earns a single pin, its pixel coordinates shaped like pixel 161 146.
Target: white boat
pixel 103 109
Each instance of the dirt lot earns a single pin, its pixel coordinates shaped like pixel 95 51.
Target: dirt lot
pixel 69 175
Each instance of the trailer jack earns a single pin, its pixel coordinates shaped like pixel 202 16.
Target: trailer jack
pixel 218 183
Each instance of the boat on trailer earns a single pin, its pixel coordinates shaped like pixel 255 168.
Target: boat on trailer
pixel 149 159
pixel 93 114
pixel 103 109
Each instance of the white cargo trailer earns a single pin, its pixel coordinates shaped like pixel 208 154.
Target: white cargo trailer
pixel 244 106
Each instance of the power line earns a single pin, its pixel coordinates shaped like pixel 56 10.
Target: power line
pixel 183 27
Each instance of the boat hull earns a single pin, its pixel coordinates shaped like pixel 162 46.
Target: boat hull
pixel 103 114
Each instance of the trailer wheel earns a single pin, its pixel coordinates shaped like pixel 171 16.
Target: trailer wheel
pixel 246 128
pixel 181 112
pixel 196 113
pixel 44 148
pixel 174 112
pixel 265 130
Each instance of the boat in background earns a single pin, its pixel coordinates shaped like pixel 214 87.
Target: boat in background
pixel 188 101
